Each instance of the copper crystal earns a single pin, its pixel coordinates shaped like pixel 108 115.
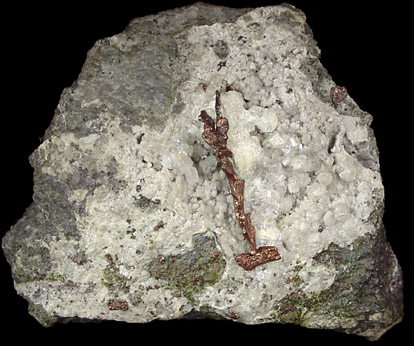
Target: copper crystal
pixel 215 135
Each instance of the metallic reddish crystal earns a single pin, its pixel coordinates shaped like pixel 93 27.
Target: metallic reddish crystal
pixel 215 135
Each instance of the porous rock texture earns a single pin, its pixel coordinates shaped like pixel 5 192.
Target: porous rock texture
pixel 132 218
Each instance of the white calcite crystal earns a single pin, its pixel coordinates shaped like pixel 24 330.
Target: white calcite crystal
pixel 133 220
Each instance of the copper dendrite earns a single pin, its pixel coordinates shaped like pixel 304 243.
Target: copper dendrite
pixel 215 135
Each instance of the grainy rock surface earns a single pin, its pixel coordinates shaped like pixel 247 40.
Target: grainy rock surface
pixel 132 218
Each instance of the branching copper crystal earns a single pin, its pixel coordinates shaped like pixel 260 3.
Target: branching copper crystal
pixel 215 135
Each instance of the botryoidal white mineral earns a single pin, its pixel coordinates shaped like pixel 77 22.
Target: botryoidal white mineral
pixel 133 219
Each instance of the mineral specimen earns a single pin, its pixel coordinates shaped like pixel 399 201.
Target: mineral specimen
pixel 132 218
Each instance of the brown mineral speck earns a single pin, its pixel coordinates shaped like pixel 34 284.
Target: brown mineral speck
pixel 214 255
pixel 78 260
pixel 118 304
pixel 176 294
pixel 160 224
pixel 338 94
pixel 204 86
pixel 234 316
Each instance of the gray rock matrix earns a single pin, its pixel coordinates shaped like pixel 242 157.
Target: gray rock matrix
pixel 132 218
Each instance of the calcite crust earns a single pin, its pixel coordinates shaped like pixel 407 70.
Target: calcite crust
pixel 132 218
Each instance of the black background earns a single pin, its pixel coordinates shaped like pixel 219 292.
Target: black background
pixel 366 47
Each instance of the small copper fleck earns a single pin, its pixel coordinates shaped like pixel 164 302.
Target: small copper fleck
pixel 300 293
pixel 214 255
pixel 338 94
pixel 176 294
pixel 118 304
pixel 320 228
pixel 77 259
pixel 234 315
pixel 288 308
pixel 160 224
pixel 204 86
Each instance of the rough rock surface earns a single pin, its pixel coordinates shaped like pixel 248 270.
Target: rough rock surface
pixel 132 218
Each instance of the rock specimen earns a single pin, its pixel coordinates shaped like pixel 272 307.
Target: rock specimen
pixel 133 220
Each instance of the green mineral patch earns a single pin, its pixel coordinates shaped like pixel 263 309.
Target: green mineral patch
pixel 112 278
pixel 40 314
pixel 192 271
pixel 221 49
pixel 135 297
pixel 29 259
pixel 361 293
